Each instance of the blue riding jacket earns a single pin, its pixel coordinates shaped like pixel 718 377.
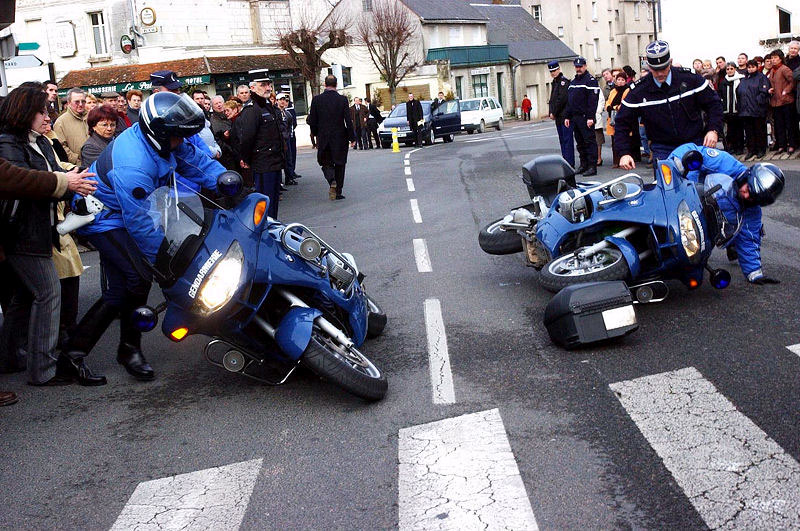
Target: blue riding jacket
pixel 721 168
pixel 129 170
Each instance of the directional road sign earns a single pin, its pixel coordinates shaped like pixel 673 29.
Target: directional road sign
pixel 29 46
pixel 23 61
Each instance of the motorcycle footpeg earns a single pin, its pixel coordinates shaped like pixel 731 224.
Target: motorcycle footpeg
pixel 648 292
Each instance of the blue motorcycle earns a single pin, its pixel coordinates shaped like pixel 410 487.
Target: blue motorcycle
pixel 623 229
pixel 270 296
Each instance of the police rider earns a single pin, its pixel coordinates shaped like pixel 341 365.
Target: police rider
pixel 582 96
pixel 557 106
pixel 148 155
pixel 670 102
pixel 744 191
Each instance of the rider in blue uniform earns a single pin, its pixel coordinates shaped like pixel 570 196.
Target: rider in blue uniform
pixel 744 191
pixel 148 155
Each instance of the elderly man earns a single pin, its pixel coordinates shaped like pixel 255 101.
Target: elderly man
pixel 243 93
pixel 71 128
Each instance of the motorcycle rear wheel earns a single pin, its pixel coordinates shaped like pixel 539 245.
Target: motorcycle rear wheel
pixel 494 240
pixel 347 368
pixel 376 319
pixel 565 270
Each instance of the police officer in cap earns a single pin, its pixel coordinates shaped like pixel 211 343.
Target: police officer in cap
pixel 261 144
pixel 582 98
pixel 558 105
pixel 670 102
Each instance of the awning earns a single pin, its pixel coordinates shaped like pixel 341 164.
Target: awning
pixel 194 71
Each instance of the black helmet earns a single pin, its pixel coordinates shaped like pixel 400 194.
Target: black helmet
pixel 765 181
pixel 165 115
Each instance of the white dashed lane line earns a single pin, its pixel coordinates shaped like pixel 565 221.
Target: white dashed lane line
pixel 407 162
pixel 794 348
pixel 410 184
pixel 421 256
pixel 415 213
pixel 460 473
pixel 735 475
pixel 407 170
pixel 215 498
pixel 439 356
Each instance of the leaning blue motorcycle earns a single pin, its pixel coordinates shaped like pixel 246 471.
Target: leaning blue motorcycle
pixel 270 296
pixel 623 229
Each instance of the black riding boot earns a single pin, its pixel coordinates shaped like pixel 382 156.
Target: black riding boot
pixel 82 341
pixel 129 353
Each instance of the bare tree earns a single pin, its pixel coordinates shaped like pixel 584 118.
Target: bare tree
pixel 309 41
pixel 388 35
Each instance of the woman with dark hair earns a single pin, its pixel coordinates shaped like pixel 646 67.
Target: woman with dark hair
pixel 28 238
pixel 102 122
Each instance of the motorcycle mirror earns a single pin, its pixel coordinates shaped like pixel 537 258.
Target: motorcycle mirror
pixel 230 184
pixel 144 318
pixel 720 278
pixel 692 160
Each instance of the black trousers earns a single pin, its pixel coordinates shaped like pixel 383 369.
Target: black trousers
pixel 417 131
pixel 785 126
pixel 334 173
pixel 734 133
pixel 372 127
pixel 70 295
pixel 755 130
pixel 586 143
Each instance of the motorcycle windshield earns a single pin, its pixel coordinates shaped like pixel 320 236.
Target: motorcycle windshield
pixel 177 212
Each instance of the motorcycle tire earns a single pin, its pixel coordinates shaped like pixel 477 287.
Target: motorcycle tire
pixel 353 372
pixel 494 240
pixel 617 269
pixel 376 319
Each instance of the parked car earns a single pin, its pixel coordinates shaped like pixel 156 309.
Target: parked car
pixel 443 123
pixel 479 113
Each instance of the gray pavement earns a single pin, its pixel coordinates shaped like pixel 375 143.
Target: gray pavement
pixel 72 457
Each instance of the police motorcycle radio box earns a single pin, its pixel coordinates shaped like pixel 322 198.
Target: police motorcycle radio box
pixel 582 314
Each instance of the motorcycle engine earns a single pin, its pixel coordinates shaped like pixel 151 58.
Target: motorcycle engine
pixel 574 210
pixel 341 276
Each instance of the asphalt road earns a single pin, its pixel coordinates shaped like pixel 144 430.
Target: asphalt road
pixel 71 457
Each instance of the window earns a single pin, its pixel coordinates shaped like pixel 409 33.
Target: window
pixel 636 11
pixel 619 49
pixel 500 90
pixel 456 38
pixel 612 63
pixel 579 11
pixel 366 5
pixel 346 76
pixel 476 35
pixel 597 49
pixel 99 33
pixel 594 10
pixel 536 11
pixel 480 85
pixel 459 92
pixel 561 31
pixel 616 14
pixel 435 43
pixel 784 21
pixel 581 48
pixel 610 31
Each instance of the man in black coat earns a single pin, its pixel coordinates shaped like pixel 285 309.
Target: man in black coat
pixel 329 121
pixel 557 108
pixel 261 145
pixel 415 116
pixel 373 121
pixel 581 111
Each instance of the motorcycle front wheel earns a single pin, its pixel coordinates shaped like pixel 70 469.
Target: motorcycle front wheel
pixel 563 271
pixel 494 240
pixel 376 319
pixel 346 367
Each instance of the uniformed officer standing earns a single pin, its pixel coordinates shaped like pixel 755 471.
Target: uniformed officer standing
pixel 261 143
pixel 558 105
pixel 670 102
pixel 582 98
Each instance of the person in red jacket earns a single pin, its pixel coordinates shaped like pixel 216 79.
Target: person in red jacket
pixel 526 108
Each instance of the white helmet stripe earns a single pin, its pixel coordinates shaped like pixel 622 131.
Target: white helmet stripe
pixel 150 105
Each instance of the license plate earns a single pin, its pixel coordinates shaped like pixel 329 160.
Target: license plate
pixel 619 317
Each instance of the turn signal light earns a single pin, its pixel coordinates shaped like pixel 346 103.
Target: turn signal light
pixel 259 211
pixel 693 283
pixel 667 173
pixel 179 333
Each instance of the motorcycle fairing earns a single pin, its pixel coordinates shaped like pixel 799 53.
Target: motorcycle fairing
pixel 294 331
pixel 628 252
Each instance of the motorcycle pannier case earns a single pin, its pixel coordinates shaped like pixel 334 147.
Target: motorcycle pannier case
pixel 583 314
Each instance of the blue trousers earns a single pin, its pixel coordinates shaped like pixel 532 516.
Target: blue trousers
pixel 269 184
pixel 565 138
pixel 291 159
pixel 123 280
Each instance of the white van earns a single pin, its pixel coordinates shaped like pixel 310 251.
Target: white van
pixel 479 113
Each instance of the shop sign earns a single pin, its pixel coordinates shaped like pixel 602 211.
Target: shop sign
pixel 139 85
pixel 126 44
pixel 480 71
pixel 148 16
pixel 63 39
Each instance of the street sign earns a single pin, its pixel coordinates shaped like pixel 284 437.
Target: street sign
pixel 28 46
pixel 23 61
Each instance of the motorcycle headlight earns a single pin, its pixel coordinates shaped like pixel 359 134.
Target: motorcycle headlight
pixel 223 281
pixel 690 233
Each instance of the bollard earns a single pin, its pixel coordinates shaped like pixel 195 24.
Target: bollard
pixel 395 143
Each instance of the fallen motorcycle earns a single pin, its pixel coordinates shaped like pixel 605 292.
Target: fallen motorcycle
pixel 270 296
pixel 623 229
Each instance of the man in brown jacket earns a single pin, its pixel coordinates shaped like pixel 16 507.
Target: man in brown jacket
pixel 359 113
pixel 21 183
pixel 71 127
pixel 782 103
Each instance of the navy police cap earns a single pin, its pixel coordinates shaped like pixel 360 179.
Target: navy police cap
pixel 553 66
pixel 579 61
pixel 260 74
pixel 657 53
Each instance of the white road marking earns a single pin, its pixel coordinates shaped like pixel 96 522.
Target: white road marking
pixel 407 170
pixel 514 136
pixel 460 473
pixel 795 348
pixel 215 498
pixel 441 375
pixel 407 162
pixel 412 152
pixel 422 257
pixel 410 184
pixel 86 267
pixel 408 155
pixel 415 213
pixel 732 472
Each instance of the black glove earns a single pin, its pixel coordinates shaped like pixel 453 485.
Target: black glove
pixel 762 281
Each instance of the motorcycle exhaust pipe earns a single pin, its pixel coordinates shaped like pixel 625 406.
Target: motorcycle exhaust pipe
pixel 603 244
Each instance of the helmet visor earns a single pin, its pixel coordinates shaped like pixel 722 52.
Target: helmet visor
pixel 183 116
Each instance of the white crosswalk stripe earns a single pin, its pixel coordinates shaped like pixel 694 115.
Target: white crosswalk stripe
pixel 735 475
pixel 460 474
pixel 794 348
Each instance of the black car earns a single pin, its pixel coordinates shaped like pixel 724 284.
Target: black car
pixel 444 123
